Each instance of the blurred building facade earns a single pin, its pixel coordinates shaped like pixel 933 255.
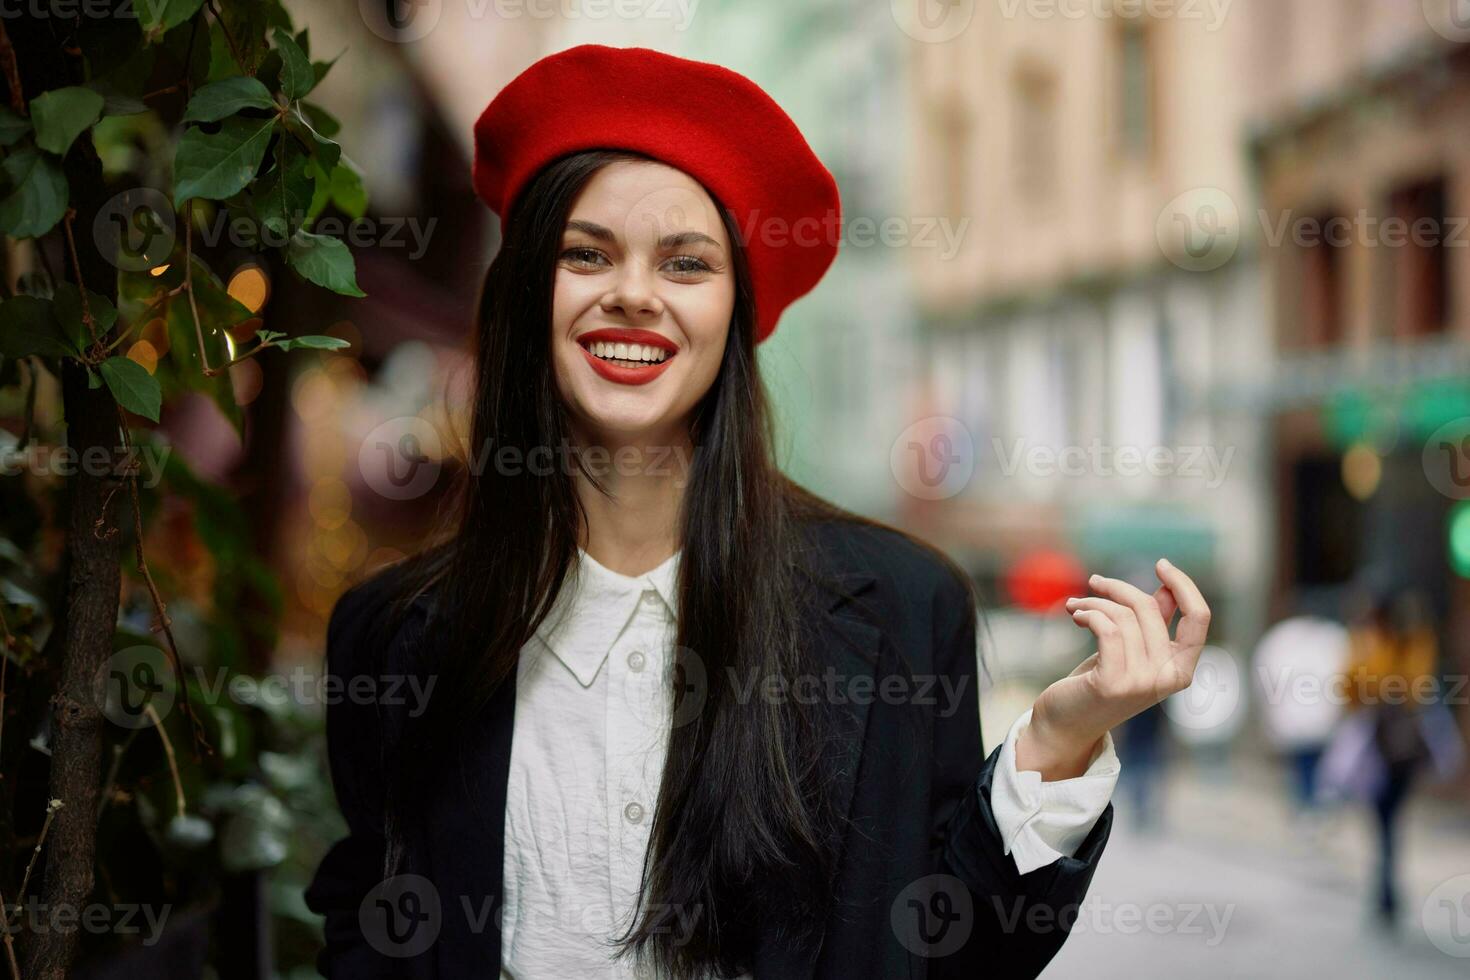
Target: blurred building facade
pixel 1084 319
pixel 1362 157
pixel 1178 242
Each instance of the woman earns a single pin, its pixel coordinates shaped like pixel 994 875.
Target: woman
pixel 686 718
pixel 1391 673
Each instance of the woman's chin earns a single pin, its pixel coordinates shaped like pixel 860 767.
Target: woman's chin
pixel 614 420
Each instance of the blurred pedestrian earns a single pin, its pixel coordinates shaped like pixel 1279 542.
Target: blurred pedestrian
pixel 1141 750
pixel 1296 662
pixel 1391 677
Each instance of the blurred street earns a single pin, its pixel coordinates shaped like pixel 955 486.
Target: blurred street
pixel 1229 870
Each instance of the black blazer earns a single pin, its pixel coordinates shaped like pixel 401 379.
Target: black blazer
pixel 924 888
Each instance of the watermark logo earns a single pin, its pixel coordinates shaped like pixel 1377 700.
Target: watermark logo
pixel 1199 231
pixel 933 916
pixel 1446 459
pixel 934 458
pixel 135 230
pixel 402 916
pixel 401 21
pixel 399 459
pixel 1213 697
pixel 1450 19
pixel 132 681
pixel 933 21
pixel 1445 916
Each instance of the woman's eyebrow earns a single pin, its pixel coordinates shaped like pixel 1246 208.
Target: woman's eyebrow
pixel 680 238
pixel 591 228
pixel 672 240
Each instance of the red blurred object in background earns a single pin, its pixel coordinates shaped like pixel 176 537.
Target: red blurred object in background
pixel 1043 580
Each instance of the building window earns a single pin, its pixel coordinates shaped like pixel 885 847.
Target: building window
pixel 951 126
pixel 1326 522
pixel 1321 284
pixel 1419 281
pixel 1136 85
pixel 1035 129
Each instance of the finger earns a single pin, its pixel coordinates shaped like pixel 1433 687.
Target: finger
pixel 1194 624
pixel 1167 606
pixel 1150 617
pixel 1135 656
pixel 1110 656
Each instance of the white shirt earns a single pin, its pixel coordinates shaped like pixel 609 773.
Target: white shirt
pixel 587 754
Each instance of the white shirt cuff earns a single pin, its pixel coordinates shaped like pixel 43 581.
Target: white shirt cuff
pixel 1040 821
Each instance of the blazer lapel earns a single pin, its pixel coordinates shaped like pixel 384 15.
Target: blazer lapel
pixel 854 646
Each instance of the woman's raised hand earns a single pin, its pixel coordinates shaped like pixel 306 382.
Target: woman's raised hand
pixel 1136 666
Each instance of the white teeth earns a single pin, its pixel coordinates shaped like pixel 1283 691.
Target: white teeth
pixel 628 352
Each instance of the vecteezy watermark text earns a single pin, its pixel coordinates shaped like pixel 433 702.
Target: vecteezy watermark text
pixel 1097 459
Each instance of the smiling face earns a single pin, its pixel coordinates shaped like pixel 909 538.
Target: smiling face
pixel 641 304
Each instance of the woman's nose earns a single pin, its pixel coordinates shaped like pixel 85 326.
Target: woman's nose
pixel 634 294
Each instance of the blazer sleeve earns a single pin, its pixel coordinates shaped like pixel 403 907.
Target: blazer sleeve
pixel 1016 921
pixel 355 729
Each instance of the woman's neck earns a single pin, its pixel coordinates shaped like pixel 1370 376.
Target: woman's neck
pixel 635 526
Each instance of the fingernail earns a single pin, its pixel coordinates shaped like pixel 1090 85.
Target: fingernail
pixel 1093 579
pixel 1166 563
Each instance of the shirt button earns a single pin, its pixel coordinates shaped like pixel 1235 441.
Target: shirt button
pixel 643 971
pixel 633 812
pixel 635 661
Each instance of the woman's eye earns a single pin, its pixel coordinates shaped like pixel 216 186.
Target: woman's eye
pixel 688 265
pixel 582 255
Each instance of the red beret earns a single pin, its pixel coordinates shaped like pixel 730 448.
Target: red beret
pixel 708 121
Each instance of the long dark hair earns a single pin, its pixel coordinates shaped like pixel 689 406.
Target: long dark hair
pixel 743 830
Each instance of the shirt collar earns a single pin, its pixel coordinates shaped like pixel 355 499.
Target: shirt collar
pixel 595 606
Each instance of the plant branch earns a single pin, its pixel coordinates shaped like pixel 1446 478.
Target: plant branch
pixel 51 809
pixel 12 73
pixel 161 622
pixel 10 944
pixel 76 264
pixel 168 751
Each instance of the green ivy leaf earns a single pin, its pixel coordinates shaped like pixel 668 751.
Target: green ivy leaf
pixel 319 69
pixel 285 197
pixel 344 189
pixel 247 24
pixel 28 327
pixel 325 261
pixel 314 342
pixel 322 121
pixel 297 77
pixel 323 151
pixel 67 306
pixel 219 165
pixel 40 195
pixel 12 127
pixel 163 15
pixel 63 114
pixel 226 97
pixel 115 103
pixel 133 387
pixel 94 380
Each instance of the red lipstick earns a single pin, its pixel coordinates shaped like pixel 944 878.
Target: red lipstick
pixel 627 335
